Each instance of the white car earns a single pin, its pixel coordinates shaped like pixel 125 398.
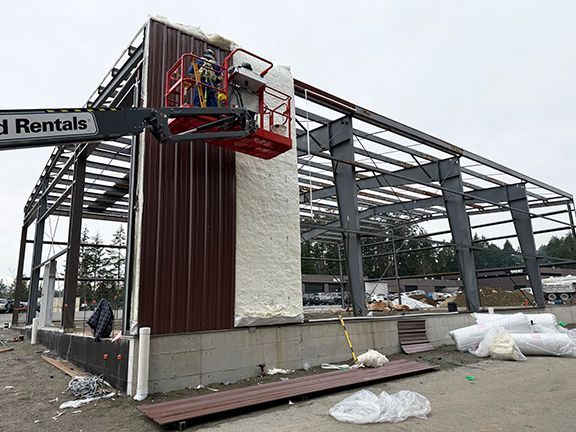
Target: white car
pixel 3 303
pixel 378 298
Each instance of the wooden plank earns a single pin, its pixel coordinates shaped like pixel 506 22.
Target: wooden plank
pixel 3 350
pixel 65 367
pixel 252 397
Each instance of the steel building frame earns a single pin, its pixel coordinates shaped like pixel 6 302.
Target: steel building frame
pixel 350 188
pixel 85 181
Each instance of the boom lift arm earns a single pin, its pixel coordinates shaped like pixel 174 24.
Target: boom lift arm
pixel 41 128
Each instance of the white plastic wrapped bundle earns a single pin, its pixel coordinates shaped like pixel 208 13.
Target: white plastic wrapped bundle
pixel 545 344
pixel 499 345
pixel 468 338
pixel 365 407
pixel 543 319
pixel 372 358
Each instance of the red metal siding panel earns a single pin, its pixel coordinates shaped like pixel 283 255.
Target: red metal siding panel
pixel 188 215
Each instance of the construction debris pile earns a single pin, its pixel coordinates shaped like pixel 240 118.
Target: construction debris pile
pixel 511 337
pixel 407 303
pixel 493 297
pixel 488 297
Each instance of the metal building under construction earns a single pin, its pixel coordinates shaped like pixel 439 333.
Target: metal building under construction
pixel 213 235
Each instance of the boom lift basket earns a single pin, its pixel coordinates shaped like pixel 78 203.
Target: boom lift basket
pixel 186 88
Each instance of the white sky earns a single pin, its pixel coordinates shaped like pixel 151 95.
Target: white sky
pixel 495 77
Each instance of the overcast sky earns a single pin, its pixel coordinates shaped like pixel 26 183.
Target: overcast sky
pixel 497 77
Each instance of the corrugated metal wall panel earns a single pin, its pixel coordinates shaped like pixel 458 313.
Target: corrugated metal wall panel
pixel 189 215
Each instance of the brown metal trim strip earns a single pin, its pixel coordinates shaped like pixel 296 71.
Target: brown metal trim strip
pixel 200 406
pixel 412 336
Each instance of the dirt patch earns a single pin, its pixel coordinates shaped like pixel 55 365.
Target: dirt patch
pixel 424 299
pixel 494 297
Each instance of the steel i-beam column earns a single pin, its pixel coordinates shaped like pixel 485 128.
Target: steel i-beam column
pixel 36 258
pixel 342 147
pixel 518 202
pixel 451 179
pixel 74 234
pixel 19 274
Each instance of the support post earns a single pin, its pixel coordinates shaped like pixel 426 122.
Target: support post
pixel 19 274
pixel 396 276
pixel 342 147
pixel 518 202
pixel 572 227
pixel 74 234
pixel 451 178
pixel 36 259
pixel 48 285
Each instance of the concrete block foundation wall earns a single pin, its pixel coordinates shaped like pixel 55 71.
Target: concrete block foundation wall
pixel 100 358
pixel 187 360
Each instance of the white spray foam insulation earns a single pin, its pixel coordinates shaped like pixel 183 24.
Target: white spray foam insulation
pixel 268 276
pixel 212 38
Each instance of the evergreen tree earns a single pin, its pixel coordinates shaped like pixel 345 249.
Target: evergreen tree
pixel 25 290
pixel 445 260
pixel 510 259
pixel 559 247
pixel 5 290
pixel 84 287
pixel 116 260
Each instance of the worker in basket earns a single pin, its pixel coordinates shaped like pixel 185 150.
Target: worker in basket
pixel 207 75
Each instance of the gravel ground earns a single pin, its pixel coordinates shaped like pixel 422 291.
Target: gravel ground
pixel 534 395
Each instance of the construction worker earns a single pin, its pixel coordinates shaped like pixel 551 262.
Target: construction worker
pixel 207 74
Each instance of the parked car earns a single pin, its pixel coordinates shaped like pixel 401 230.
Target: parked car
pixel 3 303
pixel 334 298
pixel 9 306
pixel 416 292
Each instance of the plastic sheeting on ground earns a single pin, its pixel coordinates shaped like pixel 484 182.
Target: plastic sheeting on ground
pixel 468 338
pixel 543 319
pixel 412 303
pixel 365 407
pixel 545 344
pixel 500 345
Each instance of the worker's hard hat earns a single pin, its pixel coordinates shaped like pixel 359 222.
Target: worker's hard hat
pixel 209 54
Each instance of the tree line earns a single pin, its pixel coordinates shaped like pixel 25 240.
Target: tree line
pixel 420 256
pixel 100 271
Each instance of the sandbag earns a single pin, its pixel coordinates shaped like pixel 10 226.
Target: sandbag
pixel 543 319
pixel 545 344
pixel 499 345
pixel 467 338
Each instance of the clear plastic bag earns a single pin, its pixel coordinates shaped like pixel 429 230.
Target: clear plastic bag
pixel 499 345
pixel 365 407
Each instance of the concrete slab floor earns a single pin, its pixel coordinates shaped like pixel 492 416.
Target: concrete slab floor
pixel 536 395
